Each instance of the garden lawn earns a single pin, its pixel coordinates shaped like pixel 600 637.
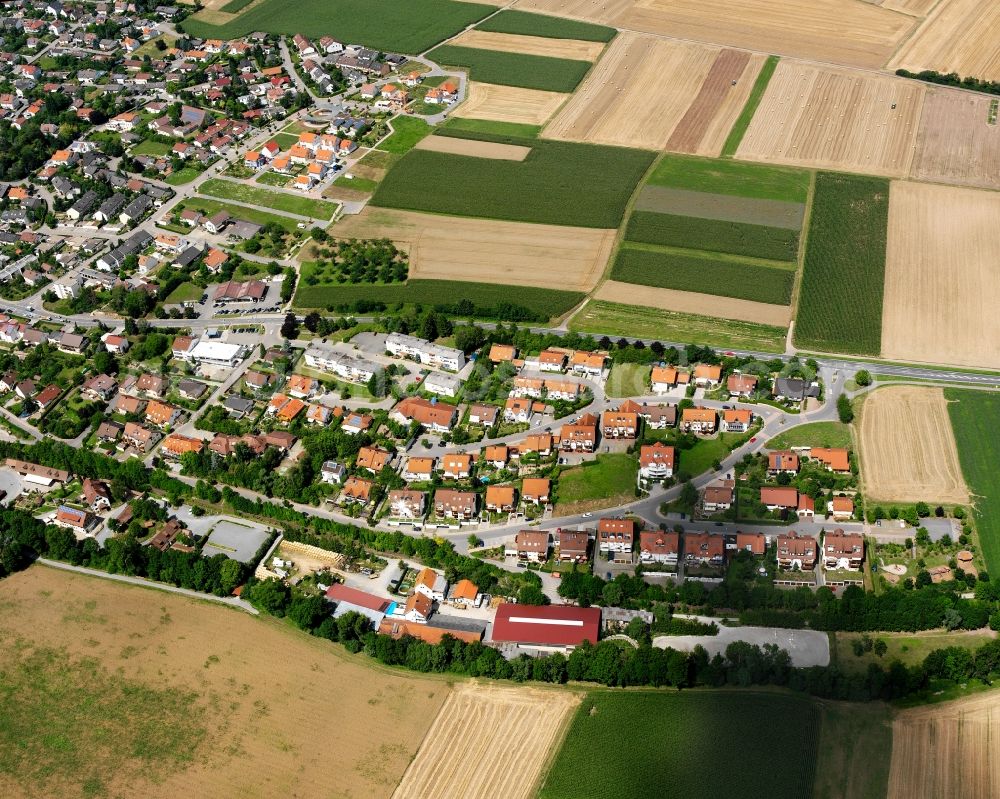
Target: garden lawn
pixel 286 140
pixel 185 292
pixel 668 745
pixel 395 25
pixel 558 183
pixel 279 201
pixel 713 235
pixel 182 176
pixel 743 120
pixel 615 319
pixel 151 148
pixel 814 434
pixel 207 207
pixel 843 277
pixel 628 380
pixel 975 416
pixel 274 179
pixel 406 131
pixel 527 24
pixel 605 482
pixel 739 178
pixel 513 69
pixel 701 456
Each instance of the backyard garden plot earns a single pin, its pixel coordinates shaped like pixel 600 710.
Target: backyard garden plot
pixel 509 104
pixel 474 148
pixel 912 462
pixel 511 734
pixel 556 184
pixel 843 274
pixel 941 287
pixel 279 201
pixel 956 142
pixel 958 36
pixel 393 25
pixel 520 22
pixel 530 45
pixel 713 235
pixel 839 119
pixel 513 69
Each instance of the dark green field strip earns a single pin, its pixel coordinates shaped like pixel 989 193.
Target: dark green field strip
pixel 491 126
pixel 975 418
pixel 703 274
pixel 843 277
pixel 513 69
pixel 712 235
pixel 559 183
pixel 746 115
pixel 739 178
pixel 723 207
pixel 233 6
pixel 399 26
pixel 527 24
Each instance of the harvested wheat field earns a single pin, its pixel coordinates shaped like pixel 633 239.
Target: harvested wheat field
pixel 489 741
pixel 211 11
pixel 835 119
pixel 915 8
pixel 120 690
pixel 693 303
pixel 958 36
pixel 849 32
pixel 532 45
pixel 948 750
pixel 912 462
pixel 941 276
pixel 626 100
pixel 509 104
pixel 473 148
pixel 488 251
pixel 955 142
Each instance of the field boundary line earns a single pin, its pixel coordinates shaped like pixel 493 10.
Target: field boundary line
pixel 803 242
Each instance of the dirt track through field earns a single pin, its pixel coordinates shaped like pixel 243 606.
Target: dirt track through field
pixel 473 148
pixel 489 742
pixel 948 750
pixel 955 142
pixel 941 286
pixel 958 36
pixel 835 119
pixel 532 45
pixel 694 303
pixel 509 104
pixel 723 207
pixel 488 251
pixel 908 450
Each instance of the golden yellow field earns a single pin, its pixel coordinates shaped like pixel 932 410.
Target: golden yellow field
pixel 958 36
pixel 694 303
pixel 948 750
pixel 111 680
pixel 915 8
pixel 941 286
pixel 907 447
pixel 835 119
pixel 509 104
pixel 955 141
pixel 488 251
pixel 489 741
pixel 532 45
pixel 849 32
pixel 473 148
pixel 212 13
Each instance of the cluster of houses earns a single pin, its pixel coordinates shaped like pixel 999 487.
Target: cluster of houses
pixel 311 159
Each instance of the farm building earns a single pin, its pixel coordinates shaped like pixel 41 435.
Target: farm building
pixel 545 628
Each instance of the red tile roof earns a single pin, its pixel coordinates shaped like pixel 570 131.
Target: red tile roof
pixel 546 625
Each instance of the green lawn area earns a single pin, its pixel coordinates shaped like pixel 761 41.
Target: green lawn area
pixel 513 69
pixel 286 140
pixel 701 456
pixel 274 179
pixel 628 380
pixel 688 745
pixel 182 176
pixel 527 24
pixel 843 277
pixel 491 126
pixel 406 131
pixel 356 183
pixel 185 292
pixel 149 48
pixel 390 25
pixel 279 201
pixel 557 183
pixel 908 648
pixel 208 207
pixel 615 319
pixel 974 419
pixel 602 483
pixel 725 176
pixel 855 750
pixel 743 120
pixel 152 148
pixel 813 434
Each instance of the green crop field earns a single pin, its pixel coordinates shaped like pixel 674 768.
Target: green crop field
pixel 687 746
pixel 843 277
pixel 527 24
pixel 614 319
pixel 974 419
pixel 394 25
pixel 234 6
pixel 735 238
pixel 814 434
pixel 513 69
pixel 743 120
pixel 279 201
pixel 739 178
pixel 707 274
pixel 406 131
pixel 559 183
pixel 493 127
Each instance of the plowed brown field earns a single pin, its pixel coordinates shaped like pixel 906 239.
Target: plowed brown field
pixel 958 36
pixel 955 142
pixel 509 104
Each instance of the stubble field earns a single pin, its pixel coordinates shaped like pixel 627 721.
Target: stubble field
pixel 473 148
pixel 958 36
pixel 532 45
pixel 116 690
pixel 509 104
pixel 690 302
pixel 941 287
pixel 913 461
pixel 950 749
pixel 835 119
pixel 489 741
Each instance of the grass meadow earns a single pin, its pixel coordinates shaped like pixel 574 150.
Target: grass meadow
pixel 406 132
pixel 513 69
pixel 277 200
pixel 601 482
pixel 738 178
pixel 527 24
pixel 713 235
pixel 814 434
pixel 207 207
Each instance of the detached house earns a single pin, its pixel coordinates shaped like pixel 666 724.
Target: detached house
pixel 529 545
pixel 698 420
pixel 656 461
